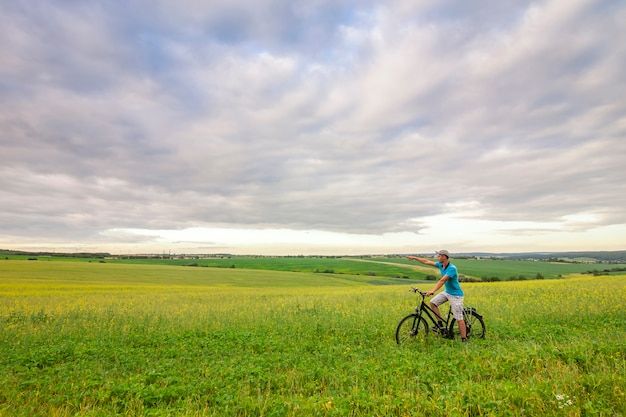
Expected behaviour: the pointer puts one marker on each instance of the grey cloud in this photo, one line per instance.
(336, 116)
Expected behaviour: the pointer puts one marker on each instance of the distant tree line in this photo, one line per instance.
(596, 272)
(7, 252)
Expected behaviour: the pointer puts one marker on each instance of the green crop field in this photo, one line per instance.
(387, 268)
(104, 339)
(505, 269)
(396, 266)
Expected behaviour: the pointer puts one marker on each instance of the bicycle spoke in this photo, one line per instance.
(412, 328)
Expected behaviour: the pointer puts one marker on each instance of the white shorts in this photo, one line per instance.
(456, 303)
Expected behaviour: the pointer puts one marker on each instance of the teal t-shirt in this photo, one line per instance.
(452, 284)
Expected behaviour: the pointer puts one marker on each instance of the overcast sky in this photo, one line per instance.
(312, 127)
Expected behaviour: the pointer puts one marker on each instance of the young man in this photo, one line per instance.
(452, 293)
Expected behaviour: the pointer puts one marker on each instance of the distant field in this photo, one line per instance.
(505, 269)
(287, 264)
(92, 273)
(375, 267)
(94, 339)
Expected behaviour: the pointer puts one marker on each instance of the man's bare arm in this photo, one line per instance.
(422, 260)
(439, 285)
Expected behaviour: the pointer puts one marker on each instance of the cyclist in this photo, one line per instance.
(452, 293)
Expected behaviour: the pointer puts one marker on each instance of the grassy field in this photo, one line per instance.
(383, 267)
(347, 266)
(102, 339)
(505, 269)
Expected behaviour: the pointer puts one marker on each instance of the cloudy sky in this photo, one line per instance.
(312, 127)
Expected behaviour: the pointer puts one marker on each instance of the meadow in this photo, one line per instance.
(397, 266)
(103, 339)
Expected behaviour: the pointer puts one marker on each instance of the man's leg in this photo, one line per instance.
(434, 305)
(462, 329)
(456, 304)
(436, 310)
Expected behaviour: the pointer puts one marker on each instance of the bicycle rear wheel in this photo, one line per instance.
(411, 329)
(474, 325)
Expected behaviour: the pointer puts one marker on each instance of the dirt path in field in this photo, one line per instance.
(424, 268)
(415, 267)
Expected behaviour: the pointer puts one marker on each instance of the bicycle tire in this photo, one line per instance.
(474, 325)
(411, 329)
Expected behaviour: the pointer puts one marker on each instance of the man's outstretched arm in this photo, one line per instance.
(422, 260)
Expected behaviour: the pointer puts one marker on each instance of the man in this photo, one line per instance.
(452, 293)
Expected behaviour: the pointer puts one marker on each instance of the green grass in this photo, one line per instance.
(39, 272)
(505, 269)
(299, 264)
(397, 267)
(287, 264)
(81, 339)
(528, 269)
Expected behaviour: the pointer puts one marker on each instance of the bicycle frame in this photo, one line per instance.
(424, 310)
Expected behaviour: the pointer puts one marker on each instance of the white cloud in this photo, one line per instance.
(329, 125)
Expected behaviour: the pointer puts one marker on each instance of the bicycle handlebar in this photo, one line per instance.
(415, 290)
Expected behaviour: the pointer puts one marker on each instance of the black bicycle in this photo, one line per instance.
(415, 326)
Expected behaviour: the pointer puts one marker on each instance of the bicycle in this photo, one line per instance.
(414, 327)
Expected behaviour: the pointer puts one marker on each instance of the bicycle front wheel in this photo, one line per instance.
(411, 329)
